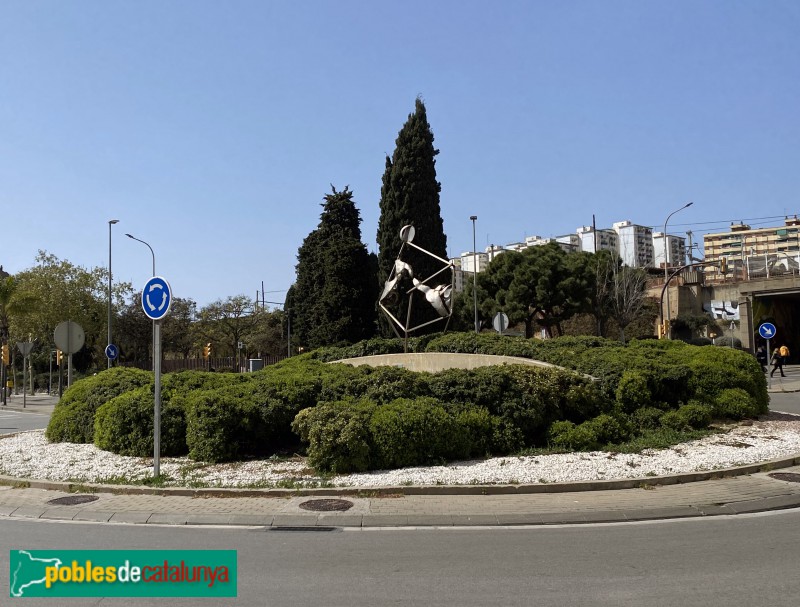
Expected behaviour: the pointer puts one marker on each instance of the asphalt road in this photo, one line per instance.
(719, 562)
(788, 402)
(20, 421)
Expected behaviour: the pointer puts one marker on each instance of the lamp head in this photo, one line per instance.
(112, 221)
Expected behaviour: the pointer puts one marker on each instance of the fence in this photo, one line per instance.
(221, 363)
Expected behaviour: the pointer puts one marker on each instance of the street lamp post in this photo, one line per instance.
(474, 218)
(110, 223)
(664, 316)
(149, 247)
(154, 273)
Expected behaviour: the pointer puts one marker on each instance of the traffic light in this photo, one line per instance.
(723, 265)
(58, 357)
(207, 350)
(5, 354)
(660, 330)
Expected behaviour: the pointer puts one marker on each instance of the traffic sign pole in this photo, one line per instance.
(156, 301)
(767, 330)
(157, 405)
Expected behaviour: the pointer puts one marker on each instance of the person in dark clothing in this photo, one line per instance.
(761, 357)
(777, 363)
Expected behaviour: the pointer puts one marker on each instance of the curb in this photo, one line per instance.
(394, 491)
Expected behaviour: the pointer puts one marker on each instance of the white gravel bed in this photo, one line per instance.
(29, 455)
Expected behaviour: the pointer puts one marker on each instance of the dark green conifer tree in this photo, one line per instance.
(333, 298)
(410, 195)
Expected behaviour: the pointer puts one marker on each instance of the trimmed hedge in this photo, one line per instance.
(73, 417)
(359, 418)
(124, 425)
(359, 435)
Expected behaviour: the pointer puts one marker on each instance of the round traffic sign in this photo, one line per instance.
(156, 297)
(500, 322)
(767, 330)
(112, 352)
(69, 337)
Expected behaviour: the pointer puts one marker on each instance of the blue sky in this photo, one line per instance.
(212, 130)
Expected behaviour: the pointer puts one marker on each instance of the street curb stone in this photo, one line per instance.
(402, 490)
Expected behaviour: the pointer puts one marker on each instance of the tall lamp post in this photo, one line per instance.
(474, 218)
(149, 247)
(154, 273)
(111, 222)
(668, 332)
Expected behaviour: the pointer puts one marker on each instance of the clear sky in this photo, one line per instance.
(212, 130)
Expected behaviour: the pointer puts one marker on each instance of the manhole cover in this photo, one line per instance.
(327, 505)
(792, 477)
(72, 500)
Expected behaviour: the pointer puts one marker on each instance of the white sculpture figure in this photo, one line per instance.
(439, 296)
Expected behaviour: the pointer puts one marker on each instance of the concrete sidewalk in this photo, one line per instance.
(790, 383)
(438, 506)
(38, 403)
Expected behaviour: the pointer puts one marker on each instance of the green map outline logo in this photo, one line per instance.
(122, 573)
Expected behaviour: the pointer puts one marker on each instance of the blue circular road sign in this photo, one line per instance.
(767, 330)
(112, 352)
(156, 298)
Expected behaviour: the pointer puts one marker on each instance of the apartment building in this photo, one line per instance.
(675, 250)
(755, 252)
(634, 244)
(601, 240)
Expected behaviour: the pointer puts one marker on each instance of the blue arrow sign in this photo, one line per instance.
(112, 352)
(767, 330)
(156, 298)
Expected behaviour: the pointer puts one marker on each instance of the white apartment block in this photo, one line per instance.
(675, 251)
(606, 240)
(469, 259)
(635, 244)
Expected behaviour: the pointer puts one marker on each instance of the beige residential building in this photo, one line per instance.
(748, 252)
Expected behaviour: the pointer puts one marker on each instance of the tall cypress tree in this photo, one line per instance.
(410, 195)
(334, 295)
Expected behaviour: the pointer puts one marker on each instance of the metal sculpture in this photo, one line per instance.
(402, 280)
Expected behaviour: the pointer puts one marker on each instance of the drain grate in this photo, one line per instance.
(327, 505)
(72, 500)
(792, 477)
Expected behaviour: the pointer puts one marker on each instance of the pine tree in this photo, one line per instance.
(334, 295)
(410, 195)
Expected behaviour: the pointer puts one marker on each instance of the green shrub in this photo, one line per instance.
(73, 417)
(715, 370)
(124, 425)
(687, 417)
(735, 403)
(590, 435)
(409, 432)
(214, 423)
(568, 436)
(609, 429)
(633, 391)
(337, 434)
(672, 420)
(695, 416)
(647, 418)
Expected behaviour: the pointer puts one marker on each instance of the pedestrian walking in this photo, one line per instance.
(777, 362)
(761, 357)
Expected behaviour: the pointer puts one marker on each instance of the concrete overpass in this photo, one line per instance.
(775, 299)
